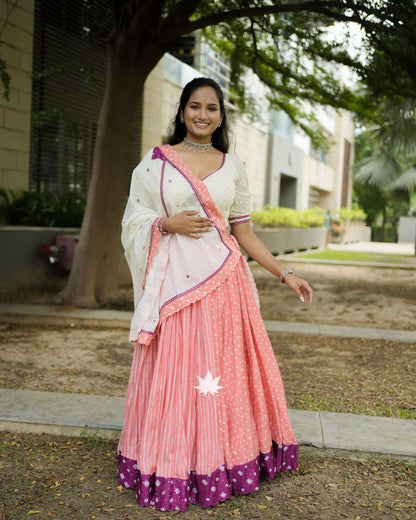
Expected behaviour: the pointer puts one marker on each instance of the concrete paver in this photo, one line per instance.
(291, 327)
(49, 407)
(365, 433)
(307, 427)
(109, 415)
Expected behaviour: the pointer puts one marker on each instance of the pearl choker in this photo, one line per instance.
(198, 147)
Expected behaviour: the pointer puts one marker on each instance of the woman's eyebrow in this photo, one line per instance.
(198, 103)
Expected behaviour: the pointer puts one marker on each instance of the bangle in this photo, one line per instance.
(283, 275)
(160, 227)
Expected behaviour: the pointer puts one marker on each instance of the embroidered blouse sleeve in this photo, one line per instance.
(240, 209)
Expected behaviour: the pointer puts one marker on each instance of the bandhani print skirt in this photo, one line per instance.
(205, 414)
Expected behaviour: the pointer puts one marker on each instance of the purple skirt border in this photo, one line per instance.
(174, 494)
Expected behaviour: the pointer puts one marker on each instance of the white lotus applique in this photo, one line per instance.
(208, 384)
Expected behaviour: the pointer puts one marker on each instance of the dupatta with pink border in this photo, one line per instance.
(171, 271)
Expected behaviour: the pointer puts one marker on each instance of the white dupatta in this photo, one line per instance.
(171, 271)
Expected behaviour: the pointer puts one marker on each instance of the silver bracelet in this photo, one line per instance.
(160, 228)
(283, 275)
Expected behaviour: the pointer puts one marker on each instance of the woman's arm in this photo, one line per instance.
(255, 248)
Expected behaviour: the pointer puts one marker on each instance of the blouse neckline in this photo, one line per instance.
(189, 169)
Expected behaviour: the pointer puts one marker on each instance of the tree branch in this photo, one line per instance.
(8, 16)
(176, 22)
(326, 8)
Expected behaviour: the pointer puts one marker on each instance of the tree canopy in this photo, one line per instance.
(286, 44)
(391, 165)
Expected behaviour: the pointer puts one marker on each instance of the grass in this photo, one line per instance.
(355, 256)
(355, 406)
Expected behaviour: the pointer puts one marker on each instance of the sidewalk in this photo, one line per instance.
(381, 248)
(76, 414)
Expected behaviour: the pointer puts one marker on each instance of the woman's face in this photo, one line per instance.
(202, 115)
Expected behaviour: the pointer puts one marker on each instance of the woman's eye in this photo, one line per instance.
(213, 109)
(194, 107)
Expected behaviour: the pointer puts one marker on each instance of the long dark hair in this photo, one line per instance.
(220, 138)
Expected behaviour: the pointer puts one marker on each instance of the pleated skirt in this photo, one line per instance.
(205, 414)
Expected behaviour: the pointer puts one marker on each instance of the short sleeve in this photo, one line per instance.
(240, 208)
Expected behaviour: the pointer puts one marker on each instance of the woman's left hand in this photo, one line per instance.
(301, 288)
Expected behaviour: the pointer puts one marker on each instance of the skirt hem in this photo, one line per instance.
(174, 494)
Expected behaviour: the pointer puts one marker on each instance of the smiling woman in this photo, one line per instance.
(205, 412)
(202, 115)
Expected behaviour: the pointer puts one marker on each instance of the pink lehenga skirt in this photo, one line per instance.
(205, 413)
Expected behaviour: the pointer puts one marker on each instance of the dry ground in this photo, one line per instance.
(344, 295)
(61, 478)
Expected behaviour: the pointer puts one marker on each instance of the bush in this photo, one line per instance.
(352, 214)
(41, 209)
(272, 217)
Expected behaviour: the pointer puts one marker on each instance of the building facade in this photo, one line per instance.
(300, 177)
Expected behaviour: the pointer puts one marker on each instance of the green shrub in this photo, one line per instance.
(272, 217)
(352, 214)
(41, 209)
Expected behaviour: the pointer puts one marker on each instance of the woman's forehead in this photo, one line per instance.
(204, 95)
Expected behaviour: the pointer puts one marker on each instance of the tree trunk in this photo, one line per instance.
(94, 275)
(383, 225)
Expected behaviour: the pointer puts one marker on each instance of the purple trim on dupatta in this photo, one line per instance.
(174, 494)
(148, 261)
(162, 198)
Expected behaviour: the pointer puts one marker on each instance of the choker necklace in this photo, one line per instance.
(198, 147)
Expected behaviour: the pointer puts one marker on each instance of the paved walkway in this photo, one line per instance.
(75, 414)
(383, 248)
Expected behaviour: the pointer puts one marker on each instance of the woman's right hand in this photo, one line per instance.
(187, 223)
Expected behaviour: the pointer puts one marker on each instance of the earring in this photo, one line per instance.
(219, 124)
(182, 120)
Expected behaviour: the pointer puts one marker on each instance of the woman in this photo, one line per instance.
(205, 411)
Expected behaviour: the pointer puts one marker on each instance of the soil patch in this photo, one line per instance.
(343, 295)
(65, 478)
(320, 373)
